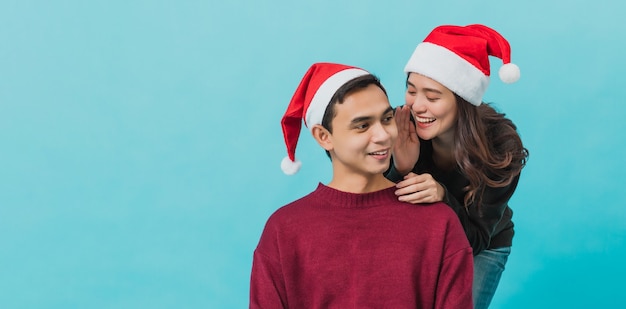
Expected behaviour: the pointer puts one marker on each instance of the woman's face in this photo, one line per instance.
(433, 106)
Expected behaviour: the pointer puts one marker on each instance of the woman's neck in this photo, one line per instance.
(443, 153)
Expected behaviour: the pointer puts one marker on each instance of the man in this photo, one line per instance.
(351, 243)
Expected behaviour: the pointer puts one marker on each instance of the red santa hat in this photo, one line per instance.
(458, 58)
(309, 103)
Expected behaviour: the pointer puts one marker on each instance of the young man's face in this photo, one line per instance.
(364, 131)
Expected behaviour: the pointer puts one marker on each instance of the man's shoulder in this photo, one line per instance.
(437, 209)
(442, 208)
(296, 207)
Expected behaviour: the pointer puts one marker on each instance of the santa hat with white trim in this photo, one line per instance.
(309, 103)
(458, 58)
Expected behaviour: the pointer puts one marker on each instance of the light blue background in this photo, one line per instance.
(140, 141)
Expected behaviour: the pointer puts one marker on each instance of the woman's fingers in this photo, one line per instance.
(420, 197)
(418, 189)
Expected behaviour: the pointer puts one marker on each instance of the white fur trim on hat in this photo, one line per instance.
(290, 167)
(327, 89)
(450, 70)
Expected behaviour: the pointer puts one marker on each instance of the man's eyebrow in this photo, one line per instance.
(361, 119)
(367, 118)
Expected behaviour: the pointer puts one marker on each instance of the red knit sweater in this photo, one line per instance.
(332, 249)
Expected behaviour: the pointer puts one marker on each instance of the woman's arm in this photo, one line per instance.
(480, 221)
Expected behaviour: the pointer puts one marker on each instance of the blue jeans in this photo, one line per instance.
(488, 268)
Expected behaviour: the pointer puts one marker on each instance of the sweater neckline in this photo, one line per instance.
(340, 199)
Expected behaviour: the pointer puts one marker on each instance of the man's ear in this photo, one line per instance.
(322, 136)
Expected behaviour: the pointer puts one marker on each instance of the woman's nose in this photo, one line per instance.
(418, 106)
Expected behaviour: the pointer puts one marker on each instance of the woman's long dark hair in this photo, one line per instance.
(488, 149)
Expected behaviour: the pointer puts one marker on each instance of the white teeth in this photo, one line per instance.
(379, 153)
(425, 120)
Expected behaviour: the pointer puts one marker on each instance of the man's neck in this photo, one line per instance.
(360, 184)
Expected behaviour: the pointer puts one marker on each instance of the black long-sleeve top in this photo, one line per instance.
(488, 226)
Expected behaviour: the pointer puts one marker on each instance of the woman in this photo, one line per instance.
(452, 147)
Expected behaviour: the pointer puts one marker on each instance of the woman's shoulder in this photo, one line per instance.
(493, 118)
(500, 130)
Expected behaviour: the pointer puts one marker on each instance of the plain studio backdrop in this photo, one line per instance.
(140, 141)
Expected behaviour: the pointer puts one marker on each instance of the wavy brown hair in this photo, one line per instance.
(488, 149)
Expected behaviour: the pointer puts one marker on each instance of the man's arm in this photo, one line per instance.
(454, 288)
(267, 289)
(267, 284)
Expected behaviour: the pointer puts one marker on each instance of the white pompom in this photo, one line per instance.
(290, 167)
(509, 73)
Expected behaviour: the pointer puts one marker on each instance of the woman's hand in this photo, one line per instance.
(406, 150)
(417, 189)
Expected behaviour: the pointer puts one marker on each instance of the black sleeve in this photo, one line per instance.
(480, 221)
(392, 174)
